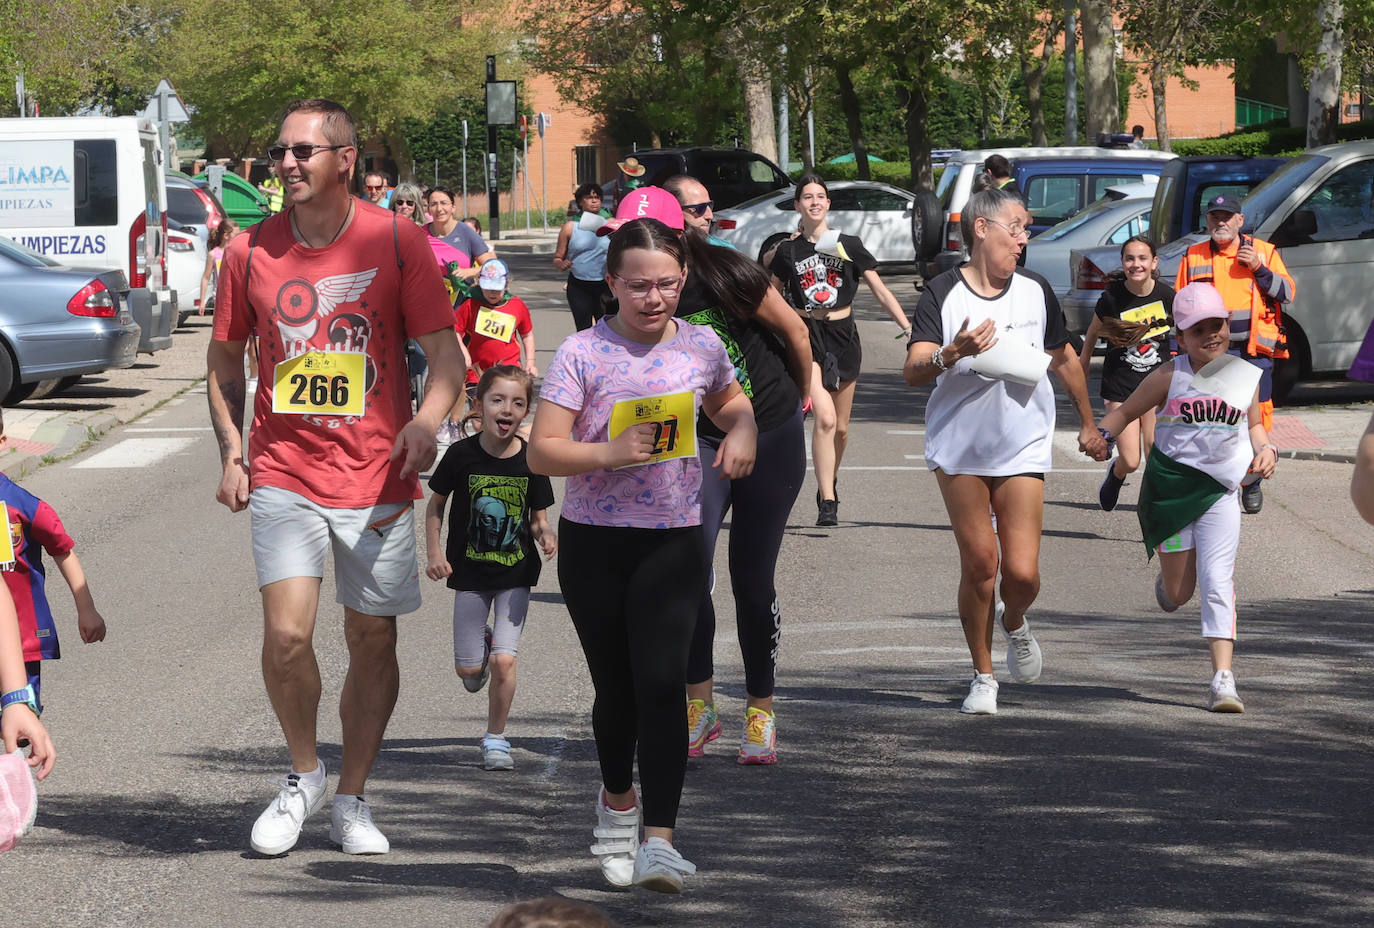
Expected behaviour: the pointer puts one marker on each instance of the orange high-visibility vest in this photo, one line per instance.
(1236, 283)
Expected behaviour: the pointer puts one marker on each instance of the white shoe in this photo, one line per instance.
(496, 754)
(1024, 659)
(617, 839)
(350, 827)
(982, 696)
(278, 828)
(660, 868)
(1223, 696)
(1161, 597)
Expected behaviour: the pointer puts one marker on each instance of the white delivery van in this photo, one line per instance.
(87, 191)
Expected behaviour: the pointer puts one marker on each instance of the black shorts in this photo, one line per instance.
(835, 347)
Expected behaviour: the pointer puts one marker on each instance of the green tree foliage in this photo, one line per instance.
(61, 46)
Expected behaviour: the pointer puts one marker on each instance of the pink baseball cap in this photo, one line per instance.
(646, 203)
(1197, 302)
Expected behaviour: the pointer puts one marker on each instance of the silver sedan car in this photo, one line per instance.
(1106, 222)
(58, 322)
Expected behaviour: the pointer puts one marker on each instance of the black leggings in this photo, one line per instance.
(587, 300)
(632, 594)
(761, 502)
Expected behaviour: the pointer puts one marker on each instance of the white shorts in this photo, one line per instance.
(376, 571)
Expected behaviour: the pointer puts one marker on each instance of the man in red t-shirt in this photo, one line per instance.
(331, 288)
(489, 326)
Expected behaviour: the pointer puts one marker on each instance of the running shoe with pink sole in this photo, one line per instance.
(703, 726)
(759, 743)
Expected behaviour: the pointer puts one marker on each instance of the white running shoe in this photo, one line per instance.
(982, 696)
(1161, 597)
(660, 868)
(617, 838)
(350, 827)
(1024, 659)
(1223, 694)
(278, 828)
(496, 754)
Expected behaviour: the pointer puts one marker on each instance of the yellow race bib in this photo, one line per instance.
(321, 383)
(494, 324)
(674, 417)
(6, 542)
(1150, 312)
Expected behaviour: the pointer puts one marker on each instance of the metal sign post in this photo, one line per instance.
(465, 166)
(19, 92)
(544, 121)
(165, 107)
(500, 99)
(525, 164)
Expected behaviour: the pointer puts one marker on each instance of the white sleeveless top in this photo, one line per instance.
(1199, 429)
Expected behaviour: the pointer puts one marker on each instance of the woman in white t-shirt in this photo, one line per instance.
(989, 435)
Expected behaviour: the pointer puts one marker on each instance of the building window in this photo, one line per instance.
(587, 168)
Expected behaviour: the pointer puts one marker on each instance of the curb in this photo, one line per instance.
(525, 247)
(1334, 457)
(66, 433)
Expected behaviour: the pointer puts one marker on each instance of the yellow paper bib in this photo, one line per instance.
(7, 541)
(494, 324)
(321, 383)
(1150, 312)
(674, 417)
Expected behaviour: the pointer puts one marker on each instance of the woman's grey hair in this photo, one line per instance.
(985, 204)
(413, 193)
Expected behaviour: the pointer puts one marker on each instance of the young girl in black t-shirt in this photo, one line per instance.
(497, 519)
(1133, 315)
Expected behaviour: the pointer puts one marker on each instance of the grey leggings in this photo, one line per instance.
(470, 609)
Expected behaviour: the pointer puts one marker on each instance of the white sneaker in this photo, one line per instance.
(278, 828)
(350, 827)
(660, 868)
(982, 696)
(496, 754)
(1223, 694)
(1024, 659)
(1162, 597)
(617, 838)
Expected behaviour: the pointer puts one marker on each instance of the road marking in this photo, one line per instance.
(914, 457)
(906, 431)
(894, 648)
(135, 452)
(174, 428)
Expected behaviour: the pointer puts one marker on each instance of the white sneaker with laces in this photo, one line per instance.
(350, 827)
(1024, 659)
(617, 837)
(660, 868)
(1223, 697)
(1162, 597)
(982, 696)
(278, 828)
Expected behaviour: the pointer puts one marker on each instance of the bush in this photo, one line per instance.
(1274, 138)
(896, 173)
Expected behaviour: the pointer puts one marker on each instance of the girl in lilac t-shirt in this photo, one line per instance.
(617, 417)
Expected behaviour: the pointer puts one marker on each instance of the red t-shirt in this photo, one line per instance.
(350, 296)
(486, 351)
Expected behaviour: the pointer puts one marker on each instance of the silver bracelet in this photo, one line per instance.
(938, 359)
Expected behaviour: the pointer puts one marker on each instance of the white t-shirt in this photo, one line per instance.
(1199, 429)
(977, 424)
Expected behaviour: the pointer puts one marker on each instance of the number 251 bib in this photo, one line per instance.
(674, 418)
(494, 324)
(321, 383)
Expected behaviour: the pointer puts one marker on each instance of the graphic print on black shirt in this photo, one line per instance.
(818, 281)
(496, 514)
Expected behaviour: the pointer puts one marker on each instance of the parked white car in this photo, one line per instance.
(879, 214)
(185, 266)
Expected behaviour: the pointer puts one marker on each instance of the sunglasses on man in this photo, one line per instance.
(699, 209)
(301, 152)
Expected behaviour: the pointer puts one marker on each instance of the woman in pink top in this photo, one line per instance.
(617, 418)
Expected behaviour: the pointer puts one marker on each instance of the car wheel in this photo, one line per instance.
(18, 393)
(1288, 371)
(43, 389)
(770, 243)
(7, 374)
(927, 220)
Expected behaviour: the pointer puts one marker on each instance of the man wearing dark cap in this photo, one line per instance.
(1254, 284)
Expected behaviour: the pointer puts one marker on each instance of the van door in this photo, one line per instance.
(1327, 243)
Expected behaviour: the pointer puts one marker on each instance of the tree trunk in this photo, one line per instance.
(1099, 63)
(1070, 73)
(1324, 95)
(914, 78)
(1033, 77)
(758, 107)
(849, 102)
(1159, 87)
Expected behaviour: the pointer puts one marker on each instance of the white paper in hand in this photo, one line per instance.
(829, 244)
(1229, 377)
(1012, 358)
(590, 222)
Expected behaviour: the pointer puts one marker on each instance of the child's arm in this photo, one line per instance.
(88, 620)
(19, 721)
(527, 345)
(1152, 392)
(438, 566)
(543, 533)
(1085, 356)
(553, 452)
(733, 414)
(1266, 455)
(887, 301)
(1362, 481)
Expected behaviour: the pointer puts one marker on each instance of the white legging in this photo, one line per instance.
(1215, 535)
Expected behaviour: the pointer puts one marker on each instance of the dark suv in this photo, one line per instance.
(1186, 183)
(732, 175)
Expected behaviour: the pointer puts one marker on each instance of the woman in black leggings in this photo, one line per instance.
(582, 253)
(771, 352)
(633, 569)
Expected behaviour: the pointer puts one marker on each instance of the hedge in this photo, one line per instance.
(1278, 140)
(896, 173)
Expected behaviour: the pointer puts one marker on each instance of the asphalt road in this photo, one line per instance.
(1102, 796)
